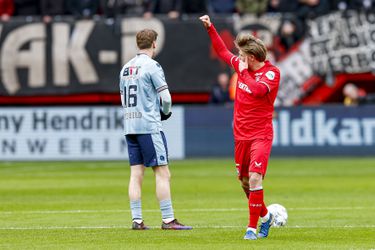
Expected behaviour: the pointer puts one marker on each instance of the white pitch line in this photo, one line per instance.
(181, 210)
(158, 227)
(328, 208)
(117, 211)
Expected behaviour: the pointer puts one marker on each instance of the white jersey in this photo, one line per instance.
(141, 79)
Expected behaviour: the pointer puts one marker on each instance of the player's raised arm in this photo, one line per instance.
(218, 43)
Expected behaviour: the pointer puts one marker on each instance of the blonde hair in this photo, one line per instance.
(145, 38)
(251, 45)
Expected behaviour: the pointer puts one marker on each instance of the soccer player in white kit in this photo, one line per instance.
(146, 101)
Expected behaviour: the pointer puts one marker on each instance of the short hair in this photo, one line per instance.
(145, 38)
(251, 46)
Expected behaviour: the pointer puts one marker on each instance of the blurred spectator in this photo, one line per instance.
(221, 6)
(290, 31)
(26, 7)
(232, 86)
(194, 6)
(352, 4)
(257, 7)
(282, 6)
(361, 4)
(6, 9)
(82, 8)
(169, 7)
(313, 8)
(220, 91)
(50, 8)
(111, 8)
(340, 4)
(355, 96)
(351, 94)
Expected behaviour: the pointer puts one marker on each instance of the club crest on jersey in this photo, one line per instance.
(270, 75)
(258, 76)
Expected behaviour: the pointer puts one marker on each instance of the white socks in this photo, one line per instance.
(138, 221)
(168, 220)
(266, 217)
(254, 230)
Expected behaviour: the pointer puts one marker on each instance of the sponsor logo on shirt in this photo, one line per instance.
(131, 72)
(270, 75)
(244, 87)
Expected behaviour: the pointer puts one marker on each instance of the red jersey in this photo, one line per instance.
(255, 94)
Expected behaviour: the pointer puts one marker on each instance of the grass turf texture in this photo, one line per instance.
(84, 205)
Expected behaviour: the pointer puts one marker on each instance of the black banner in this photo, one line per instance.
(86, 56)
(83, 57)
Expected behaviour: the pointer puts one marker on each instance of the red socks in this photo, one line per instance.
(256, 205)
(264, 210)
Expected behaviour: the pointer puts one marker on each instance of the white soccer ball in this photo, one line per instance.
(280, 213)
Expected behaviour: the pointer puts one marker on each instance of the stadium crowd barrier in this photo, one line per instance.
(298, 131)
(95, 133)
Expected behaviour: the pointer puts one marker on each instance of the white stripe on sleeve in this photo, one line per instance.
(166, 101)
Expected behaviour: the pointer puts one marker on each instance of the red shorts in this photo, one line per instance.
(252, 156)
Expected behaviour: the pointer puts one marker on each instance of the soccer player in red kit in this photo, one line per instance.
(256, 90)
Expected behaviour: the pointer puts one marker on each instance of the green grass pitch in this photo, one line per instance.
(84, 205)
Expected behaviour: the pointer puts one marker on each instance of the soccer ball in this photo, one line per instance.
(280, 213)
